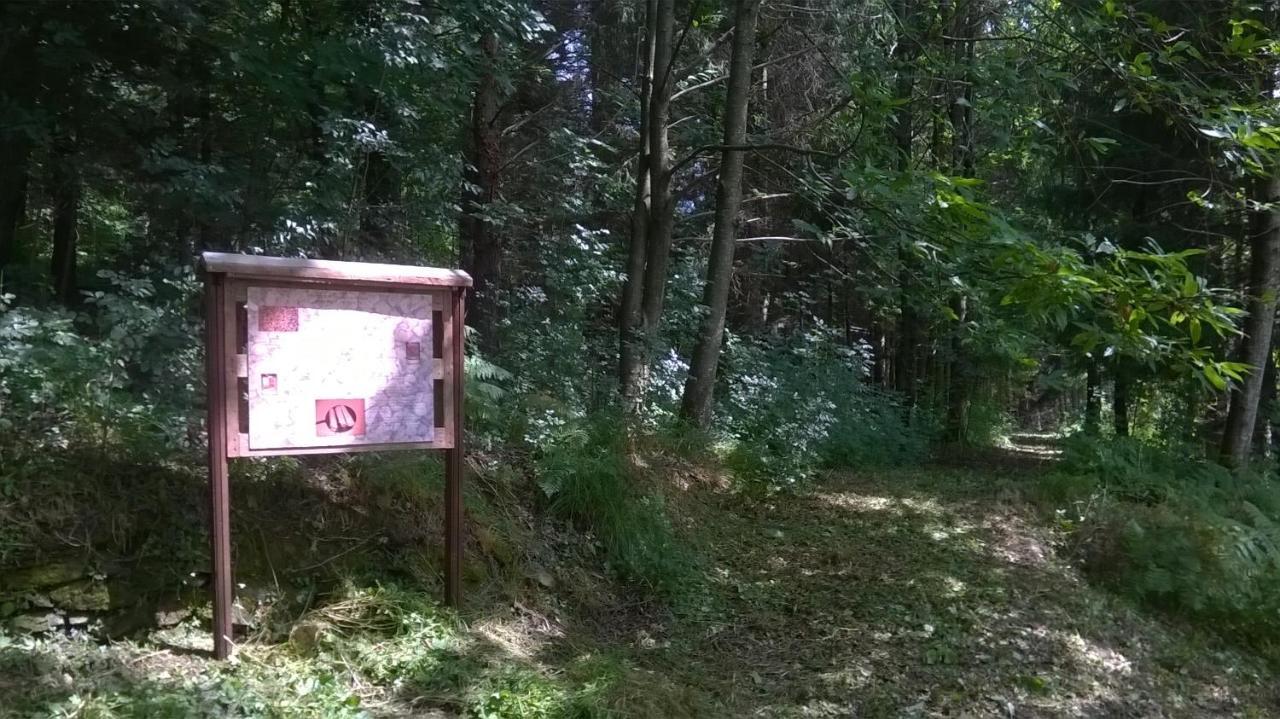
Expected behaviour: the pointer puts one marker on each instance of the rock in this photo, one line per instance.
(83, 596)
(305, 637)
(40, 576)
(77, 620)
(171, 617)
(241, 615)
(128, 621)
(38, 600)
(35, 622)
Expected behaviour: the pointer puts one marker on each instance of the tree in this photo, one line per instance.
(640, 324)
(479, 240)
(1255, 349)
(699, 390)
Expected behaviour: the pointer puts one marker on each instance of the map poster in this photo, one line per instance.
(332, 368)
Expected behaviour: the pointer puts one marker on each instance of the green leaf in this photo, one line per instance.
(1215, 379)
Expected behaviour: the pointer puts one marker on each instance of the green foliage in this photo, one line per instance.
(584, 471)
(988, 421)
(790, 408)
(123, 369)
(1176, 532)
(1148, 306)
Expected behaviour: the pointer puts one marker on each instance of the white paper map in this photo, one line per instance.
(338, 367)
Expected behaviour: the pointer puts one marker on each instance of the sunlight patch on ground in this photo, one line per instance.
(521, 636)
(1012, 541)
(871, 503)
(1087, 652)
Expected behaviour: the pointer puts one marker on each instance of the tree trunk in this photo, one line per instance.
(479, 245)
(908, 339)
(66, 207)
(963, 24)
(381, 187)
(1256, 344)
(661, 216)
(958, 374)
(629, 338)
(13, 194)
(1120, 402)
(699, 390)
(1266, 403)
(1093, 399)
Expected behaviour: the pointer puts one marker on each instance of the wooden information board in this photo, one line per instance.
(316, 357)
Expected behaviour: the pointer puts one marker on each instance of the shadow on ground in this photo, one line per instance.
(923, 593)
(928, 592)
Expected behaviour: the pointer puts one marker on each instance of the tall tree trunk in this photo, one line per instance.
(479, 245)
(1093, 399)
(964, 25)
(13, 193)
(1266, 403)
(1264, 263)
(381, 188)
(1120, 401)
(66, 207)
(958, 375)
(661, 217)
(20, 85)
(908, 332)
(629, 338)
(700, 387)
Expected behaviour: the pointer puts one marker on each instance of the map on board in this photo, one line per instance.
(338, 367)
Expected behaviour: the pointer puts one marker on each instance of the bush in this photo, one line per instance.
(125, 368)
(1176, 532)
(584, 472)
(792, 408)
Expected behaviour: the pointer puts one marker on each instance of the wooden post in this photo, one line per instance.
(219, 500)
(453, 464)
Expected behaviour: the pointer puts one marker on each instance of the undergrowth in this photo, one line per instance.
(1175, 532)
(585, 473)
(378, 649)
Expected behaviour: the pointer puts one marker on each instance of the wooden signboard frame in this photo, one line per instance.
(228, 278)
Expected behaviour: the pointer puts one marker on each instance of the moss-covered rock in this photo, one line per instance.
(41, 576)
(35, 622)
(85, 595)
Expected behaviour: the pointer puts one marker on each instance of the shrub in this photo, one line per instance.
(791, 408)
(584, 472)
(1176, 532)
(125, 368)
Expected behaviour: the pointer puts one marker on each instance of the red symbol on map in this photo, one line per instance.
(277, 319)
(339, 416)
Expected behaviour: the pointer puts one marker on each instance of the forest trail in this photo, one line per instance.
(931, 592)
(922, 592)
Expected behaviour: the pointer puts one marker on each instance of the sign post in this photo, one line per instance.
(321, 357)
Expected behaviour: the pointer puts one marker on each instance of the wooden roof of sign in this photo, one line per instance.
(299, 269)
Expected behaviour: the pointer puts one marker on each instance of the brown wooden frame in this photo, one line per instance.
(227, 279)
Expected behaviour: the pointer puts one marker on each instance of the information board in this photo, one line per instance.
(338, 367)
(321, 357)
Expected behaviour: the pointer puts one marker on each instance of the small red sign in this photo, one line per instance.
(413, 351)
(277, 319)
(339, 416)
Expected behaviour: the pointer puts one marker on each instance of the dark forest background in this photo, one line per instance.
(785, 237)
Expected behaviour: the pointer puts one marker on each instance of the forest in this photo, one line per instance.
(824, 358)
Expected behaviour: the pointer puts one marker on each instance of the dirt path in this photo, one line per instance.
(930, 593)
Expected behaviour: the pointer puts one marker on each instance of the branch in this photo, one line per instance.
(722, 78)
(746, 148)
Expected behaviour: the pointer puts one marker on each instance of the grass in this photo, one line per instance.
(927, 592)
